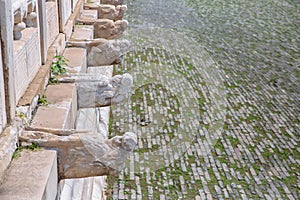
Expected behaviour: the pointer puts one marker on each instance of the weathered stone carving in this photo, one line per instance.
(108, 29)
(85, 154)
(17, 30)
(113, 2)
(31, 20)
(21, 8)
(107, 52)
(103, 52)
(106, 11)
(100, 91)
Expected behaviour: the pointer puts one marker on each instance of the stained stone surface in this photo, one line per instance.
(215, 103)
(96, 119)
(85, 154)
(101, 52)
(101, 91)
(106, 11)
(106, 52)
(108, 29)
(39, 180)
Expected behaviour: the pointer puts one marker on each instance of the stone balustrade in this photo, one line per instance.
(33, 31)
(25, 15)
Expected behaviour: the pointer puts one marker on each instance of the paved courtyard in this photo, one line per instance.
(215, 103)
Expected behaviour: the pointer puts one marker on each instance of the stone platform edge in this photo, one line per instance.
(28, 102)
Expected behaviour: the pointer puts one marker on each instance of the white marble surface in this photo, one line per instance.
(91, 188)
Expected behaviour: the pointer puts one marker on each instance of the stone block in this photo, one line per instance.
(83, 33)
(32, 176)
(8, 141)
(58, 118)
(62, 99)
(61, 95)
(77, 59)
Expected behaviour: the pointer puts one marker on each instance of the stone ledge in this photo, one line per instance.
(89, 14)
(83, 33)
(77, 59)
(8, 141)
(32, 176)
(62, 105)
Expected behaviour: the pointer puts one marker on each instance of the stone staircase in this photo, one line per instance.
(33, 175)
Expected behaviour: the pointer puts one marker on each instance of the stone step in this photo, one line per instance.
(32, 176)
(77, 59)
(83, 32)
(62, 104)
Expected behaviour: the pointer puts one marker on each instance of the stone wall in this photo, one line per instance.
(74, 3)
(51, 21)
(2, 96)
(65, 10)
(27, 59)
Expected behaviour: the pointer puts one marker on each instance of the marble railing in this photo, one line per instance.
(25, 15)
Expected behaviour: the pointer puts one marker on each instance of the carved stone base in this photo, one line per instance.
(100, 91)
(85, 154)
(106, 11)
(108, 29)
(103, 52)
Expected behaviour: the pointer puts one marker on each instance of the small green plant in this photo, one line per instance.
(23, 117)
(57, 66)
(32, 147)
(52, 80)
(43, 100)
(16, 154)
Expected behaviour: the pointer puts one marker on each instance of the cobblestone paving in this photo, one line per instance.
(215, 103)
